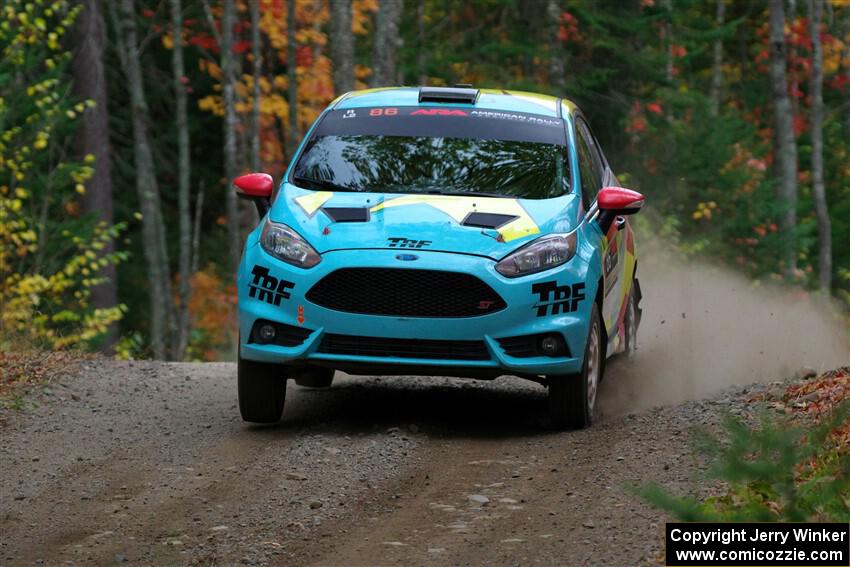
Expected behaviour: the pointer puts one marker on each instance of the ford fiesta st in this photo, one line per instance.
(439, 231)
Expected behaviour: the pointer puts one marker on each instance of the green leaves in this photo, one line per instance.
(773, 472)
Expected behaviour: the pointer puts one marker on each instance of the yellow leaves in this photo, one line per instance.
(704, 210)
(168, 40)
(211, 68)
(212, 103)
(41, 140)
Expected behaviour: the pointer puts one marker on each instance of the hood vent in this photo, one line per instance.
(347, 214)
(487, 220)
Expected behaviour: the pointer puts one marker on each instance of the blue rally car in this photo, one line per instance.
(439, 231)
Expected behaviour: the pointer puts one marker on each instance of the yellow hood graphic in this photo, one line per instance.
(458, 207)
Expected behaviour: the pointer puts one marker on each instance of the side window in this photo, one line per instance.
(591, 180)
(597, 162)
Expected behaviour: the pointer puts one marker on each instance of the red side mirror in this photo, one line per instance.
(619, 200)
(255, 185)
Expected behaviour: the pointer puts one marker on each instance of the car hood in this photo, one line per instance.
(484, 226)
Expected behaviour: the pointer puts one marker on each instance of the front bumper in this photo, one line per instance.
(286, 304)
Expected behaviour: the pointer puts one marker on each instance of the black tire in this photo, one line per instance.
(572, 401)
(262, 391)
(314, 377)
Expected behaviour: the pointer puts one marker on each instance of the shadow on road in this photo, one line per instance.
(441, 407)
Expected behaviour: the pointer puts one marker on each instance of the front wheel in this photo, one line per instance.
(262, 390)
(572, 398)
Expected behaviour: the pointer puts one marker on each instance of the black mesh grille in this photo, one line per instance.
(403, 348)
(520, 347)
(405, 293)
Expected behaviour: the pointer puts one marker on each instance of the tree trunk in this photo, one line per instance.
(556, 57)
(153, 238)
(785, 152)
(93, 139)
(717, 62)
(421, 38)
(292, 76)
(847, 69)
(387, 41)
(818, 188)
(230, 120)
(257, 53)
(342, 46)
(184, 176)
(668, 37)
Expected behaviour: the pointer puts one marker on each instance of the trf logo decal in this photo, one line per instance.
(407, 243)
(556, 299)
(268, 288)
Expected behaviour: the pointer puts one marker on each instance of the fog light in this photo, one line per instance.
(266, 333)
(552, 345)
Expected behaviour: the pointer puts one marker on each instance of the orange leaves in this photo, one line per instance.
(655, 108)
(819, 396)
(568, 28)
(361, 11)
(212, 311)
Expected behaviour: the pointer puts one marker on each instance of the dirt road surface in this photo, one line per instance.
(149, 464)
(146, 463)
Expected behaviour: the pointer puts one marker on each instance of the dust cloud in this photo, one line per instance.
(705, 328)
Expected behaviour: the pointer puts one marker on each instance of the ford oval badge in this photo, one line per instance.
(407, 257)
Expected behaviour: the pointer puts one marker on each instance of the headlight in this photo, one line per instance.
(285, 244)
(544, 253)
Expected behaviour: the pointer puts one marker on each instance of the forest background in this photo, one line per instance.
(122, 123)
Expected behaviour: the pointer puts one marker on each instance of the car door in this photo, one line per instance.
(594, 174)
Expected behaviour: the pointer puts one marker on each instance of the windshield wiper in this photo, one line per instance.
(468, 193)
(320, 183)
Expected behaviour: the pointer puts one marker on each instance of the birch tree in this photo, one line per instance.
(153, 230)
(292, 76)
(231, 167)
(785, 151)
(717, 59)
(184, 174)
(342, 46)
(257, 67)
(818, 188)
(556, 59)
(386, 43)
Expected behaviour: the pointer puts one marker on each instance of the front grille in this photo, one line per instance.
(403, 348)
(520, 347)
(405, 293)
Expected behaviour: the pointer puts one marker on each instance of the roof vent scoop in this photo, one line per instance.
(448, 94)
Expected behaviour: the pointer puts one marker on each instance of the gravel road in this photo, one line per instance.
(149, 464)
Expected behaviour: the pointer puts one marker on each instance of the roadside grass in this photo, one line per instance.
(23, 372)
(789, 463)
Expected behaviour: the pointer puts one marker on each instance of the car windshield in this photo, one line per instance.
(443, 151)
